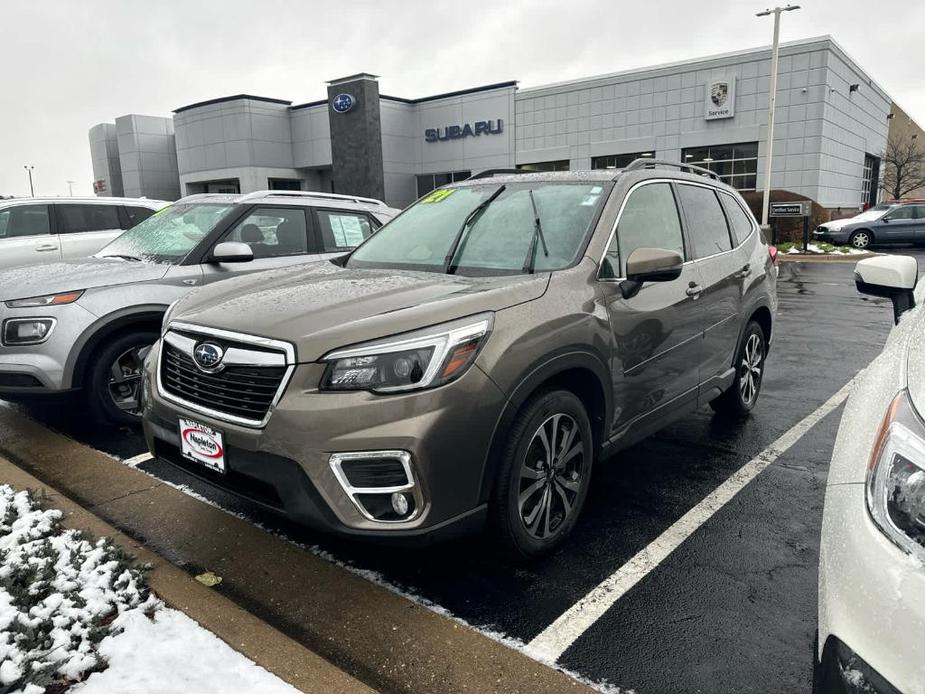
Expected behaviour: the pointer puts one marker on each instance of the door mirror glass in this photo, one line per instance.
(232, 252)
(650, 265)
(890, 276)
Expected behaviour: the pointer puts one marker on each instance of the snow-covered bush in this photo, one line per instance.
(60, 591)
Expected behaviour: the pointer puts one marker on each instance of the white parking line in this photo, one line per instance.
(551, 643)
(137, 460)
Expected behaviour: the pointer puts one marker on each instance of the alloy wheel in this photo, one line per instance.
(551, 476)
(860, 240)
(750, 373)
(125, 376)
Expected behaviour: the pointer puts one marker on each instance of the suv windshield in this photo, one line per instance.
(169, 235)
(501, 238)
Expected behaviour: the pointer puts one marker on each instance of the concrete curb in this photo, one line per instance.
(832, 258)
(241, 630)
(381, 638)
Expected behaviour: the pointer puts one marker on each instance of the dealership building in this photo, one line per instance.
(832, 124)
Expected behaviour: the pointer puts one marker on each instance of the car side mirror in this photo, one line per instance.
(890, 276)
(232, 252)
(650, 265)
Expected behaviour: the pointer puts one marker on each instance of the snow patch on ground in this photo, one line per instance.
(797, 249)
(75, 612)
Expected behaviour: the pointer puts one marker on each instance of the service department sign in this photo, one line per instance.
(720, 99)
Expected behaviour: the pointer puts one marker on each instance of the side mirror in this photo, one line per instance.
(650, 265)
(232, 252)
(890, 276)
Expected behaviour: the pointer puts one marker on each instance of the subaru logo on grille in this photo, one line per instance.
(342, 103)
(208, 355)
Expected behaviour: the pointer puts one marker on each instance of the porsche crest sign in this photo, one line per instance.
(720, 98)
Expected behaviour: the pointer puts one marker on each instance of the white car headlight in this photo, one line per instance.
(896, 477)
(421, 359)
(47, 300)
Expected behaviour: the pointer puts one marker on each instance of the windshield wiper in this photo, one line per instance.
(124, 257)
(448, 267)
(530, 260)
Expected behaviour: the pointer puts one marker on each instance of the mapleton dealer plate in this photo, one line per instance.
(202, 444)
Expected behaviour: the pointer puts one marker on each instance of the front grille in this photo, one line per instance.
(241, 391)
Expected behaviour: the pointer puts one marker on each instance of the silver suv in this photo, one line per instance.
(42, 230)
(87, 324)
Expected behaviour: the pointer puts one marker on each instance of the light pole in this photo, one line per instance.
(29, 171)
(772, 97)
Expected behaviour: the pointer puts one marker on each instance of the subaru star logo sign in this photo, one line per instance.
(208, 355)
(343, 103)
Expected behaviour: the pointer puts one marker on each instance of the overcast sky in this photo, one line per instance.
(69, 64)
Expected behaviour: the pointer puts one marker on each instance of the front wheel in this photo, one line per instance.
(544, 476)
(742, 395)
(113, 387)
(861, 239)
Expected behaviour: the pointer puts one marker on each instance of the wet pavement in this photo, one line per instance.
(734, 607)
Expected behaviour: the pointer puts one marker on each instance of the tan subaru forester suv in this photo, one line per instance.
(468, 364)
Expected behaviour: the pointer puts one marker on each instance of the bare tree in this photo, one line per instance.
(903, 166)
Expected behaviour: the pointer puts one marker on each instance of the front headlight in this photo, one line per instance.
(47, 300)
(421, 359)
(896, 477)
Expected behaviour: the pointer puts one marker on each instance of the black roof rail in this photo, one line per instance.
(488, 173)
(648, 163)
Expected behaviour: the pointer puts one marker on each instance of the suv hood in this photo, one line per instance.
(321, 306)
(72, 275)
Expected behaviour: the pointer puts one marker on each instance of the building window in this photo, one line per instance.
(736, 165)
(618, 161)
(871, 179)
(561, 165)
(228, 185)
(284, 184)
(428, 182)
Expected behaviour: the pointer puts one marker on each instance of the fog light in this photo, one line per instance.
(399, 503)
(27, 331)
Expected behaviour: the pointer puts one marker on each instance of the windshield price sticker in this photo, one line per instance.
(439, 195)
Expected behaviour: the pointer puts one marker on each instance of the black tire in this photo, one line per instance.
(559, 485)
(861, 239)
(741, 396)
(102, 388)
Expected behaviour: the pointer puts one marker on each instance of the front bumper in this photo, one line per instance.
(285, 466)
(829, 236)
(42, 369)
(871, 596)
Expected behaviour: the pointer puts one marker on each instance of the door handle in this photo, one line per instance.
(744, 272)
(46, 247)
(694, 290)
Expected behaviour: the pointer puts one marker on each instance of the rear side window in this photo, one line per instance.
(649, 220)
(705, 220)
(739, 219)
(74, 219)
(24, 220)
(136, 215)
(902, 213)
(341, 231)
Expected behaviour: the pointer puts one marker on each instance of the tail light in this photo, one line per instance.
(772, 251)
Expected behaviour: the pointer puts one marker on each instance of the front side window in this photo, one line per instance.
(272, 232)
(739, 219)
(341, 231)
(169, 235)
(136, 215)
(649, 220)
(488, 229)
(705, 219)
(75, 219)
(24, 220)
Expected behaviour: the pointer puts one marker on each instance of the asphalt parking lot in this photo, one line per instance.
(733, 607)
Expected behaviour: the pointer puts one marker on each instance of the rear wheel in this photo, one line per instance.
(544, 475)
(113, 386)
(742, 395)
(861, 239)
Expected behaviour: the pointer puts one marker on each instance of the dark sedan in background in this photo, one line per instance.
(893, 222)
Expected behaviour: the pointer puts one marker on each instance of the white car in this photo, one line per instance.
(41, 230)
(872, 554)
